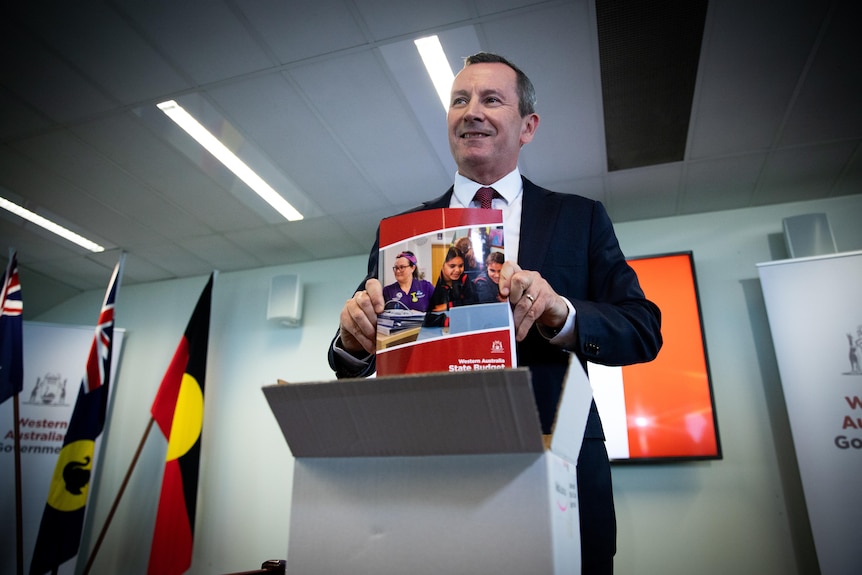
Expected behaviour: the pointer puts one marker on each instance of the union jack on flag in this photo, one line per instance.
(11, 330)
(98, 361)
(11, 289)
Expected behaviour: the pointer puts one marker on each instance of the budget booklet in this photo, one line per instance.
(443, 311)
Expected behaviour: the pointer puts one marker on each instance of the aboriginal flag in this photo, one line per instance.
(11, 333)
(178, 411)
(63, 519)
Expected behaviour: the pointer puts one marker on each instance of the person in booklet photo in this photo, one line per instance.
(487, 284)
(454, 287)
(407, 291)
(573, 295)
(471, 266)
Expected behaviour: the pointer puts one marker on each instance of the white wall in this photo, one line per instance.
(743, 514)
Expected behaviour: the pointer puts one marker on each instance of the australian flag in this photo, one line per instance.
(11, 332)
(63, 519)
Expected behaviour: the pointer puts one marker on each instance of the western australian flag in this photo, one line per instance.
(11, 333)
(63, 519)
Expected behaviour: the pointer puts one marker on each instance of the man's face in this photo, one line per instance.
(486, 131)
(494, 270)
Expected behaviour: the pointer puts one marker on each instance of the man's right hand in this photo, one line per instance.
(359, 318)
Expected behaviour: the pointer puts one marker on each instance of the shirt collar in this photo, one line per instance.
(509, 186)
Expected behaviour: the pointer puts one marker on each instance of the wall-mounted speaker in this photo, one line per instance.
(808, 235)
(285, 300)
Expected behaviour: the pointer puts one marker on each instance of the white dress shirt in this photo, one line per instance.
(511, 188)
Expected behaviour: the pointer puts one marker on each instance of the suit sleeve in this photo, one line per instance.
(339, 365)
(615, 323)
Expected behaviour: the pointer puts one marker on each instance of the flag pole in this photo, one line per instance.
(19, 514)
(116, 503)
(16, 446)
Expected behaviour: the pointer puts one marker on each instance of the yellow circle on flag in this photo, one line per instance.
(71, 480)
(188, 418)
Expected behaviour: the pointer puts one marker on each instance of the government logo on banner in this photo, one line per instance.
(855, 355)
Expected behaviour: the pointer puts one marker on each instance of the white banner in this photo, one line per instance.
(55, 357)
(815, 315)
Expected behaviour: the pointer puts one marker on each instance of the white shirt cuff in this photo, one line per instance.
(349, 359)
(565, 336)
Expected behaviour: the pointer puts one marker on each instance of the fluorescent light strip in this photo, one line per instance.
(50, 226)
(203, 136)
(437, 65)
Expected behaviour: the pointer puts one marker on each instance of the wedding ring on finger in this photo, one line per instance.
(531, 298)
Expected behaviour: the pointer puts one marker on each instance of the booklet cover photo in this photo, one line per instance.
(439, 269)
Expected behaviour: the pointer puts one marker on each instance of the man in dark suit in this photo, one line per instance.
(567, 280)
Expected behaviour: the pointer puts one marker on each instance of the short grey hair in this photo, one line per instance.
(526, 91)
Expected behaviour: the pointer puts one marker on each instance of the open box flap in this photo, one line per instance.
(572, 413)
(424, 414)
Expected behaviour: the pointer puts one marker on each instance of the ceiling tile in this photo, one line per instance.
(81, 273)
(32, 242)
(590, 187)
(850, 180)
(361, 228)
(486, 7)
(101, 44)
(833, 84)
(384, 138)
(720, 184)
(643, 194)
(83, 168)
(38, 76)
(203, 38)
(322, 237)
(299, 142)
(750, 66)
(16, 117)
(175, 259)
(387, 19)
(135, 268)
(806, 173)
(274, 247)
(28, 181)
(221, 253)
(302, 29)
(188, 176)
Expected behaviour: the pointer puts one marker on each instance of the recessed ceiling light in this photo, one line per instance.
(212, 144)
(437, 65)
(50, 226)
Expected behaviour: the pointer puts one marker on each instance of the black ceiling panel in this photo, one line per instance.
(649, 52)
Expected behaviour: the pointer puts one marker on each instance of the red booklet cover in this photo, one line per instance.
(442, 313)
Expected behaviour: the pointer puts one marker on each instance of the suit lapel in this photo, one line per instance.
(539, 209)
(538, 214)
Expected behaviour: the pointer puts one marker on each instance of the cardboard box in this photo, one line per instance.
(431, 474)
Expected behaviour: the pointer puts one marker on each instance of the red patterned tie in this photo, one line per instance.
(484, 196)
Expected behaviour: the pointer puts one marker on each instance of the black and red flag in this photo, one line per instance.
(63, 519)
(178, 411)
